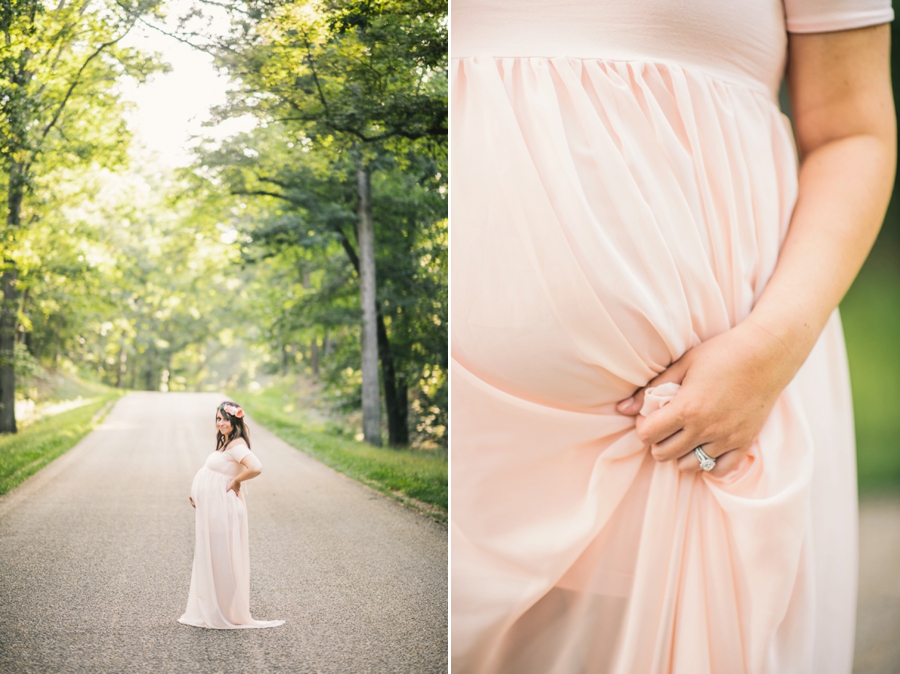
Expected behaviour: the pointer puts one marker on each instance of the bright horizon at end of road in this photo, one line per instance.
(170, 109)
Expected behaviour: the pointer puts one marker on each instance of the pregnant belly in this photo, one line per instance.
(597, 233)
(210, 486)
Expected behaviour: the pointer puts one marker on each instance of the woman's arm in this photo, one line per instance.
(252, 468)
(845, 124)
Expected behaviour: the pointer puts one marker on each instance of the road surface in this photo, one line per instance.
(878, 616)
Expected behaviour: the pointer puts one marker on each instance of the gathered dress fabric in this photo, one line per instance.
(622, 182)
(219, 597)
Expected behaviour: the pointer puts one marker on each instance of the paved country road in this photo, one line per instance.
(878, 615)
(96, 551)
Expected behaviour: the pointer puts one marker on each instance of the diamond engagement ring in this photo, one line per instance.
(707, 463)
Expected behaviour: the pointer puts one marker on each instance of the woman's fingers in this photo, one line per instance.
(729, 461)
(658, 428)
(674, 446)
(725, 463)
(631, 406)
(674, 373)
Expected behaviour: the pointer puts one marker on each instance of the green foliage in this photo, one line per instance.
(59, 113)
(58, 69)
(871, 317)
(24, 454)
(128, 282)
(245, 266)
(401, 474)
(336, 86)
(371, 71)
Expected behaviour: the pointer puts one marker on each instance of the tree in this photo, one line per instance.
(58, 66)
(365, 82)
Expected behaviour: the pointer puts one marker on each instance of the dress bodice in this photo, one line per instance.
(227, 462)
(739, 41)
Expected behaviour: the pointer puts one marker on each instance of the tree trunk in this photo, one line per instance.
(8, 348)
(148, 373)
(371, 393)
(10, 306)
(395, 398)
(314, 355)
(22, 336)
(120, 372)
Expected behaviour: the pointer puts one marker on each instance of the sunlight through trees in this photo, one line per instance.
(314, 245)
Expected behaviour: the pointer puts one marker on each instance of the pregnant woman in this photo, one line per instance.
(219, 597)
(653, 456)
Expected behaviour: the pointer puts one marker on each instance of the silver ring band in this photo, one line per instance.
(707, 463)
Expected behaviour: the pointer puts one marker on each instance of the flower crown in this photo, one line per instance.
(234, 410)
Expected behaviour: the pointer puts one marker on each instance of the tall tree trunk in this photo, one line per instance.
(123, 357)
(314, 355)
(22, 336)
(365, 234)
(148, 373)
(10, 306)
(8, 348)
(395, 399)
(402, 410)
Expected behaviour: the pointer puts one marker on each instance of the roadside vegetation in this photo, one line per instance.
(67, 408)
(415, 477)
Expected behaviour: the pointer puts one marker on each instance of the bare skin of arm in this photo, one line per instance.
(247, 474)
(844, 120)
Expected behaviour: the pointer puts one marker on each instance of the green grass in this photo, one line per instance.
(417, 478)
(32, 448)
(871, 317)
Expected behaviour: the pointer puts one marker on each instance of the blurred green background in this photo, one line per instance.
(871, 315)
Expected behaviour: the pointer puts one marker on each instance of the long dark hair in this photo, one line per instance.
(239, 428)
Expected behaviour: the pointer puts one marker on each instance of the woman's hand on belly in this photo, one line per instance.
(729, 385)
(845, 123)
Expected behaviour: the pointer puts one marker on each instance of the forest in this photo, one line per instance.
(313, 245)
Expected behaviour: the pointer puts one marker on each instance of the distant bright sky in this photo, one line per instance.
(171, 108)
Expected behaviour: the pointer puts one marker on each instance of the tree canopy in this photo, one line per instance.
(248, 263)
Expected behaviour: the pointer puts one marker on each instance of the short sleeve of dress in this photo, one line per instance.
(238, 452)
(823, 16)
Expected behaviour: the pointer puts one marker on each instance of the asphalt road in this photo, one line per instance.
(96, 551)
(878, 615)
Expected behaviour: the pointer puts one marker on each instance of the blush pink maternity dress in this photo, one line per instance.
(219, 597)
(622, 181)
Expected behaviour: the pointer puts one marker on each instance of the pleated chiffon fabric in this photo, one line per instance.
(219, 597)
(607, 216)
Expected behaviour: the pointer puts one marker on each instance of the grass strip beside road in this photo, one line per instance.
(32, 448)
(416, 478)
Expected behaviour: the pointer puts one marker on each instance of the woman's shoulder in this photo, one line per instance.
(237, 444)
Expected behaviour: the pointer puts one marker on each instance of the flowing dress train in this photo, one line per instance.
(219, 597)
